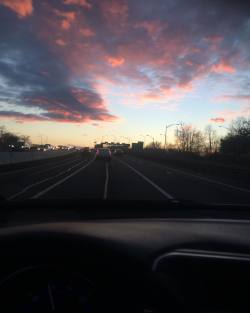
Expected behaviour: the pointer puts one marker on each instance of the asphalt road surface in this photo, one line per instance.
(125, 177)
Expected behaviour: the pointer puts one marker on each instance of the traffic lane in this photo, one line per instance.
(12, 184)
(106, 180)
(38, 187)
(125, 184)
(185, 186)
(87, 184)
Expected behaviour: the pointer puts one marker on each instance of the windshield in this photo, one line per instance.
(125, 100)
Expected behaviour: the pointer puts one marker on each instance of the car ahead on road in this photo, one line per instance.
(118, 152)
(103, 154)
(85, 152)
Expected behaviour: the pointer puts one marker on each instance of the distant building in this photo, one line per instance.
(113, 146)
(137, 146)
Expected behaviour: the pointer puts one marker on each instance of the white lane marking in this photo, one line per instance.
(41, 193)
(53, 167)
(42, 181)
(162, 191)
(210, 180)
(51, 298)
(105, 194)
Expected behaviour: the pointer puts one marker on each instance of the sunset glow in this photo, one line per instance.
(121, 66)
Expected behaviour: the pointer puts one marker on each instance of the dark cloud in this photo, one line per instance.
(53, 53)
(33, 76)
(22, 116)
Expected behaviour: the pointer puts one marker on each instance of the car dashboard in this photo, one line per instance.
(126, 265)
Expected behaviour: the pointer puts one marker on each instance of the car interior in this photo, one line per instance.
(175, 257)
(124, 156)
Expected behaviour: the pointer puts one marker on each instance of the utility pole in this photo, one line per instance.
(41, 138)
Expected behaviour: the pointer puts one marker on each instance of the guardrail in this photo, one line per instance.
(11, 157)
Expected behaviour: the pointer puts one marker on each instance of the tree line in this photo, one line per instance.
(10, 140)
(189, 139)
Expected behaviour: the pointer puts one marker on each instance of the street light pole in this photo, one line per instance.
(152, 139)
(127, 138)
(164, 137)
(166, 129)
(41, 138)
(144, 137)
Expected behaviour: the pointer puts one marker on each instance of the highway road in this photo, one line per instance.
(125, 177)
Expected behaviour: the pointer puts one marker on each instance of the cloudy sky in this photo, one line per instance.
(77, 70)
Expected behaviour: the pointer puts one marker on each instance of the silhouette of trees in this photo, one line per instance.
(154, 145)
(10, 140)
(237, 141)
(189, 139)
(212, 142)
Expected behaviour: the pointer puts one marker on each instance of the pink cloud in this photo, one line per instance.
(155, 71)
(234, 97)
(232, 114)
(217, 120)
(60, 42)
(83, 3)
(87, 32)
(115, 61)
(68, 18)
(151, 96)
(65, 24)
(214, 39)
(223, 67)
(22, 8)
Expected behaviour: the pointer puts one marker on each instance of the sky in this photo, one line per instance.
(80, 71)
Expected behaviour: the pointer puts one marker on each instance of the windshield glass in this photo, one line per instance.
(125, 100)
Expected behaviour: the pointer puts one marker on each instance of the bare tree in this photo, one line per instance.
(8, 140)
(237, 141)
(211, 140)
(189, 139)
(154, 145)
(26, 140)
(240, 126)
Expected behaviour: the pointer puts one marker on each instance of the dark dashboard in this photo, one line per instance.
(138, 264)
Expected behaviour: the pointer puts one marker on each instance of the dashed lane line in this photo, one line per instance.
(12, 197)
(41, 193)
(105, 194)
(162, 191)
